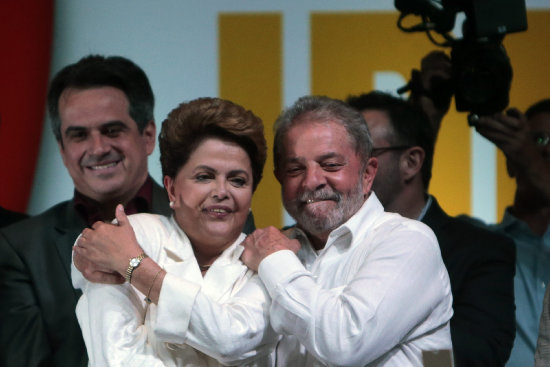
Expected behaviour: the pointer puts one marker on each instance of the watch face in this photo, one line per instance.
(134, 262)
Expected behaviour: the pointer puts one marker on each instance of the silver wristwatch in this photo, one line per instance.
(132, 264)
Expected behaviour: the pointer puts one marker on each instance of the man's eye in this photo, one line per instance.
(76, 135)
(112, 131)
(332, 166)
(293, 171)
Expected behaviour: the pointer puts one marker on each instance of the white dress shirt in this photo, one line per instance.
(377, 294)
(219, 319)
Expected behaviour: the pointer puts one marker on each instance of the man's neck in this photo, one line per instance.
(408, 203)
(537, 219)
(105, 208)
(317, 241)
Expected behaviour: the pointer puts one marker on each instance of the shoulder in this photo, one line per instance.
(150, 221)
(8, 217)
(477, 236)
(38, 226)
(151, 228)
(394, 225)
(404, 235)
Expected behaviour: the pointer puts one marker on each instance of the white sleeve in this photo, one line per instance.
(394, 290)
(233, 332)
(112, 321)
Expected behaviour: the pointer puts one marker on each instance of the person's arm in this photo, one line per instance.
(111, 318)
(23, 339)
(542, 354)
(233, 331)
(359, 322)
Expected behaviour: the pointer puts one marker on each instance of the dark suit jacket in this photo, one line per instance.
(9, 217)
(38, 325)
(481, 267)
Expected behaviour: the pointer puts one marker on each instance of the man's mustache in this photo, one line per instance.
(319, 195)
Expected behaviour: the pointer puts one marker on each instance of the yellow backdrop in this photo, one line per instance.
(346, 51)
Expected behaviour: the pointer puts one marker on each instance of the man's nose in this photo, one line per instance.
(99, 144)
(314, 178)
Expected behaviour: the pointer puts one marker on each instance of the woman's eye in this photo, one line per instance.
(202, 177)
(238, 181)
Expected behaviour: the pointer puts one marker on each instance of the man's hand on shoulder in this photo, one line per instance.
(262, 243)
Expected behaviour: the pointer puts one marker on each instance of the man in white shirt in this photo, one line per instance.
(367, 288)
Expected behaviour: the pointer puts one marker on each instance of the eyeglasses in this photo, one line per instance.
(377, 151)
(541, 138)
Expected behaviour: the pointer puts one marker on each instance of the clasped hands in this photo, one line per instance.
(102, 252)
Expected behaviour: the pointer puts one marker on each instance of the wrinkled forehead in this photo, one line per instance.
(317, 138)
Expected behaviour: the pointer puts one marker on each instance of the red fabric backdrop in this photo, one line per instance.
(26, 36)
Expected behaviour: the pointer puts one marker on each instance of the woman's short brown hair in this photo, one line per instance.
(188, 125)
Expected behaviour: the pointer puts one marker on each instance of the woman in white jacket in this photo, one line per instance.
(186, 299)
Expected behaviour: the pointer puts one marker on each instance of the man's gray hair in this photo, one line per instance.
(323, 109)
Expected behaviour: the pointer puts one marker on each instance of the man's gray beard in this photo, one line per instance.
(346, 206)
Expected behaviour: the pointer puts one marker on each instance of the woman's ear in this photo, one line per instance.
(169, 186)
(411, 162)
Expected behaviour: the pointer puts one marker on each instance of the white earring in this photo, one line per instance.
(171, 204)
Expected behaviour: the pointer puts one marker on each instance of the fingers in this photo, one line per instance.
(120, 215)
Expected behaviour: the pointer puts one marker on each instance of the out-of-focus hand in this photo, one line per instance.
(109, 246)
(262, 243)
(94, 273)
(510, 133)
(432, 86)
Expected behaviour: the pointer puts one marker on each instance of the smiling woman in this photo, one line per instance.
(212, 156)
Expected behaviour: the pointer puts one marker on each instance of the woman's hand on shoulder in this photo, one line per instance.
(94, 273)
(108, 246)
(262, 243)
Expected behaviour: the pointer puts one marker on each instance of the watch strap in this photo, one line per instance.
(133, 263)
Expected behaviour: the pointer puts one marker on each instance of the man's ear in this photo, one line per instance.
(149, 136)
(169, 186)
(369, 173)
(411, 162)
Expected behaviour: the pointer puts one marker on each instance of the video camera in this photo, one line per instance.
(481, 69)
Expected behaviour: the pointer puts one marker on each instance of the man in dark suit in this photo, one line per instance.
(480, 263)
(101, 111)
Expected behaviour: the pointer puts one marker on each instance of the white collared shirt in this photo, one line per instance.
(221, 318)
(377, 294)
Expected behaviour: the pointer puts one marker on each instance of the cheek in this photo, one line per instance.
(290, 189)
(191, 196)
(243, 199)
(71, 155)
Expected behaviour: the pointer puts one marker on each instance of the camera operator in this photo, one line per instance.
(524, 140)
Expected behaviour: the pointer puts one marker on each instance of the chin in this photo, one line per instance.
(223, 232)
